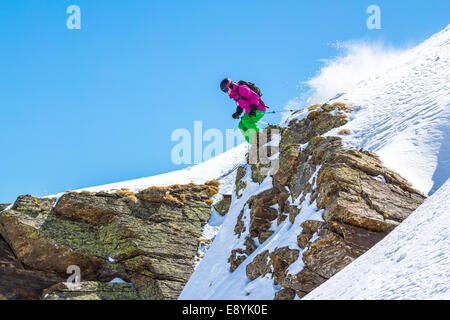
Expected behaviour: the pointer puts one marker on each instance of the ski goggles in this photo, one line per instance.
(227, 87)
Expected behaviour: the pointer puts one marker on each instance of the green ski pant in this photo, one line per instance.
(248, 126)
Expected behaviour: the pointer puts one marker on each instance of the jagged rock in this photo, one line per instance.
(239, 228)
(18, 283)
(264, 199)
(239, 255)
(303, 240)
(91, 290)
(96, 210)
(362, 201)
(259, 266)
(281, 259)
(260, 172)
(293, 212)
(240, 184)
(285, 294)
(328, 255)
(149, 238)
(7, 258)
(306, 281)
(236, 258)
(357, 238)
(223, 206)
(3, 206)
(309, 228)
(260, 222)
(315, 124)
(262, 213)
(359, 210)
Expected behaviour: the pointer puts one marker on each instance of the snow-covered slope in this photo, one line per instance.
(412, 262)
(401, 113)
(220, 168)
(404, 111)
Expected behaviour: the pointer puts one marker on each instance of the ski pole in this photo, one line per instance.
(272, 112)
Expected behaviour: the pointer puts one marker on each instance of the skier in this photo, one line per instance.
(248, 99)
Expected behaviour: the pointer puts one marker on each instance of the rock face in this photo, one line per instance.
(149, 239)
(361, 202)
(224, 205)
(16, 282)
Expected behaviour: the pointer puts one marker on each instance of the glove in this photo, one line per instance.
(237, 113)
(252, 112)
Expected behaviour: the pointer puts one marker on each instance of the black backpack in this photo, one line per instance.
(252, 87)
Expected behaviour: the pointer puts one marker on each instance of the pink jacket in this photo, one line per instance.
(249, 96)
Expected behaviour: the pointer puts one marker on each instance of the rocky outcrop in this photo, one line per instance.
(240, 184)
(338, 202)
(260, 266)
(18, 283)
(361, 202)
(149, 239)
(223, 205)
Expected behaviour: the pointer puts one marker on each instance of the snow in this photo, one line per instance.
(118, 280)
(313, 178)
(380, 178)
(7, 208)
(412, 262)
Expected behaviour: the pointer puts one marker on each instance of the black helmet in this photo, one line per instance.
(224, 84)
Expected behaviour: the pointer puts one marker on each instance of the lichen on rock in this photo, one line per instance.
(359, 209)
(148, 238)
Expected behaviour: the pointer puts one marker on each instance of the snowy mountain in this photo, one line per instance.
(403, 115)
(412, 262)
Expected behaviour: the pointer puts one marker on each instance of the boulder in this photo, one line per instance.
(149, 238)
(285, 294)
(260, 266)
(281, 259)
(223, 205)
(239, 183)
(18, 283)
(239, 255)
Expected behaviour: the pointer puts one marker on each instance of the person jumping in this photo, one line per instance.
(248, 99)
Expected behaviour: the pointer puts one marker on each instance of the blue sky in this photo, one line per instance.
(86, 107)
